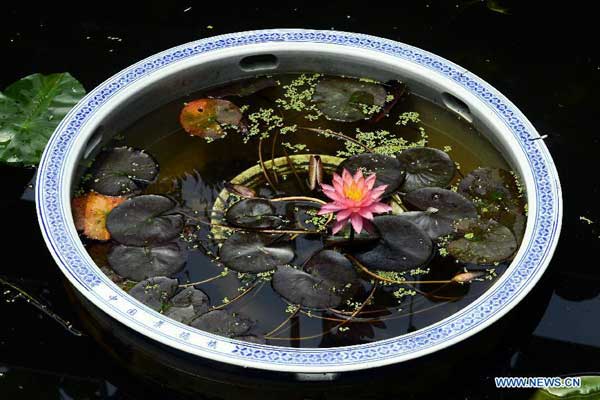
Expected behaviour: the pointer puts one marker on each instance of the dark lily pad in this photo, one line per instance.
(482, 242)
(425, 167)
(493, 191)
(402, 245)
(300, 287)
(223, 323)
(154, 292)
(349, 100)
(496, 195)
(332, 266)
(209, 118)
(144, 220)
(255, 252)
(139, 263)
(438, 210)
(122, 171)
(187, 305)
(253, 213)
(388, 169)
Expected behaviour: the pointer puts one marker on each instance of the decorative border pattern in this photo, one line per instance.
(71, 258)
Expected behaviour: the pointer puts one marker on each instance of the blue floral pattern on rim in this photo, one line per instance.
(71, 257)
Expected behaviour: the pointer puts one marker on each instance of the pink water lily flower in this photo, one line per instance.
(355, 200)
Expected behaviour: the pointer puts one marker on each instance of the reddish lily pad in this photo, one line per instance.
(482, 242)
(90, 212)
(208, 118)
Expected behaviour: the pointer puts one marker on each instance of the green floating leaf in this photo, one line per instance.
(30, 111)
(208, 118)
(154, 292)
(388, 169)
(122, 171)
(438, 210)
(349, 100)
(223, 323)
(188, 304)
(482, 242)
(253, 213)
(139, 263)
(255, 252)
(327, 281)
(402, 245)
(144, 220)
(425, 167)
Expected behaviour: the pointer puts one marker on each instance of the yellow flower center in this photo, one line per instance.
(353, 192)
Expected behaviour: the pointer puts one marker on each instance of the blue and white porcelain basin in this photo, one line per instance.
(163, 77)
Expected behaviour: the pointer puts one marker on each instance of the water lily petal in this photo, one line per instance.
(365, 213)
(357, 222)
(370, 181)
(330, 208)
(338, 226)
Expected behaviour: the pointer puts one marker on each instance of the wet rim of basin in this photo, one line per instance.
(55, 174)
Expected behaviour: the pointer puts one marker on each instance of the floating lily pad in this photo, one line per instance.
(496, 195)
(122, 171)
(482, 242)
(223, 323)
(332, 266)
(425, 167)
(208, 118)
(139, 263)
(187, 305)
(349, 100)
(387, 168)
(90, 212)
(300, 287)
(493, 190)
(255, 252)
(402, 245)
(144, 220)
(154, 292)
(253, 213)
(438, 210)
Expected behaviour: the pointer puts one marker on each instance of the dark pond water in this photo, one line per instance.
(548, 66)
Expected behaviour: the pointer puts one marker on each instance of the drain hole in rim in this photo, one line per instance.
(457, 105)
(259, 62)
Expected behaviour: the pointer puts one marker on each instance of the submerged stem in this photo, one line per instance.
(282, 324)
(184, 285)
(262, 165)
(236, 298)
(339, 135)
